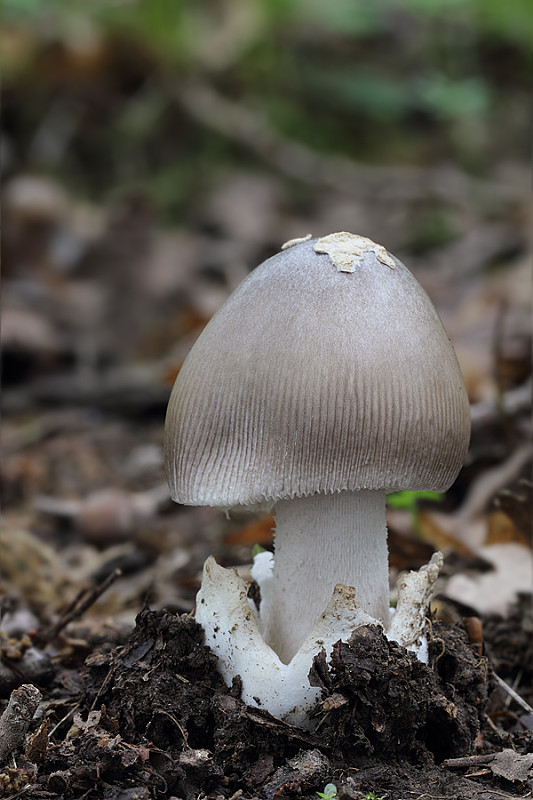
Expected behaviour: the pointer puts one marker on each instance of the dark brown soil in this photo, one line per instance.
(153, 719)
(509, 646)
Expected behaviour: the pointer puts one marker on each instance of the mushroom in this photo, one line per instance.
(325, 381)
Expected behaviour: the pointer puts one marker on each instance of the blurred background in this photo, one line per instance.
(153, 153)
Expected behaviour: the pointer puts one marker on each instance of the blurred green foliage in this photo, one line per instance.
(387, 81)
(389, 96)
(409, 501)
(166, 23)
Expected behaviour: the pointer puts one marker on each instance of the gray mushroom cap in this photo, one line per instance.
(313, 378)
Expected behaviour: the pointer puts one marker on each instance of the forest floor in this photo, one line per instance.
(99, 569)
(100, 572)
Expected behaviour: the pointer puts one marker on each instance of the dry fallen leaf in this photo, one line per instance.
(517, 504)
(494, 591)
(35, 569)
(258, 532)
(512, 766)
(442, 540)
(502, 529)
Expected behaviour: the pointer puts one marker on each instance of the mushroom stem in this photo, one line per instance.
(320, 541)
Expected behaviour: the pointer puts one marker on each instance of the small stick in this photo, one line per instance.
(254, 131)
(511, 692)
(514, 401)
(491, 481)
(468, 761)
(63, 719)
(16, 719)
(79, 606)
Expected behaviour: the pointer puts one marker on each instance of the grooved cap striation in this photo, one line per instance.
(314, 380)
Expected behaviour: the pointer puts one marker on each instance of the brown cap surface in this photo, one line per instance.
(315, 378)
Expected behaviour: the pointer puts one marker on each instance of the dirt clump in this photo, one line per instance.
(163, 702)
(380, 699)
(152, 719)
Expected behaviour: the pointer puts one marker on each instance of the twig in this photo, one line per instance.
(254, 131)
(30, 433)
(511, 692)
(493, 725)
(57, 506)
(147, 502)
(104, 685)
(16, 719)
(516, 683)
(21, 792)
(468, 761)
(491, 481)
(63, 720)
(513, 402)
(130, 390)
(79, 606)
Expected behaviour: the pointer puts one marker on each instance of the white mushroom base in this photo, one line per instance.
(232, 631)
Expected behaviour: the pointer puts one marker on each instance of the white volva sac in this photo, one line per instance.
(324, 382)
(233, 629)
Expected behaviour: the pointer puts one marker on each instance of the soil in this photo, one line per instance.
(152, 718)
(509, 645)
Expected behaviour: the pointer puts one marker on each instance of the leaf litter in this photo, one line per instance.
(101, 306)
